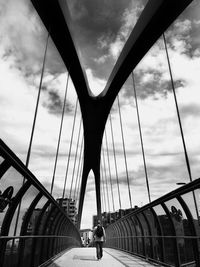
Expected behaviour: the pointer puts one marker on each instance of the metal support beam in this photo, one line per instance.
(154, 20)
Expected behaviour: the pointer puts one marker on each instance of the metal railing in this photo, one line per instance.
(166, 231)
(33, 227)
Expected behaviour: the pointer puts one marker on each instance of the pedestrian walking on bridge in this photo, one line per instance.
(99, 238)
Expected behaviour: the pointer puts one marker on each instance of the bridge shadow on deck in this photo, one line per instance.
(86, 257)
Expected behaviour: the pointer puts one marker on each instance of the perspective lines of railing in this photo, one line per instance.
(41, 229)
(166, 231)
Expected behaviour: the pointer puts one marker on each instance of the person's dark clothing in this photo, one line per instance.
(99, 242)
(99, 249)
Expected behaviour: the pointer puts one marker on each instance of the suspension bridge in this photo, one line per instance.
(35, 229)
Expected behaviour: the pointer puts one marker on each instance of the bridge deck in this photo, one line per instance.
(87, 257)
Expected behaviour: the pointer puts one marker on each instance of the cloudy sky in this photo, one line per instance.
(100, 29)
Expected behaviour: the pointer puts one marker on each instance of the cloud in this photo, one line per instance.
(55, 104)
(24, 37)
(190, 111)
(25, 46)
(100, 30)
(152, 73)
(129, 19)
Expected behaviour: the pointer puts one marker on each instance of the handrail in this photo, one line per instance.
(55, 235)
(167, 230)
(181, 190)
(158, 236)
(35, 236)
(20, 166)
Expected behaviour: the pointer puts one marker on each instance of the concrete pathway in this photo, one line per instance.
(86, 257)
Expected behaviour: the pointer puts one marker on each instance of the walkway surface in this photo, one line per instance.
(82, 257)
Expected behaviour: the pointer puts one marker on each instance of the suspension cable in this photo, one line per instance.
(103, 187)
(177, 110)
(80, 176)
(69, 155)
(111, 186)
(115, 160)
(101, 193)
(80, 167)
(105, 177)
(59, 137)
(77, 174)
(79, 131)
(33, 129)
(141, 138)
(37, 103)
(180, 124)
(127, 176)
